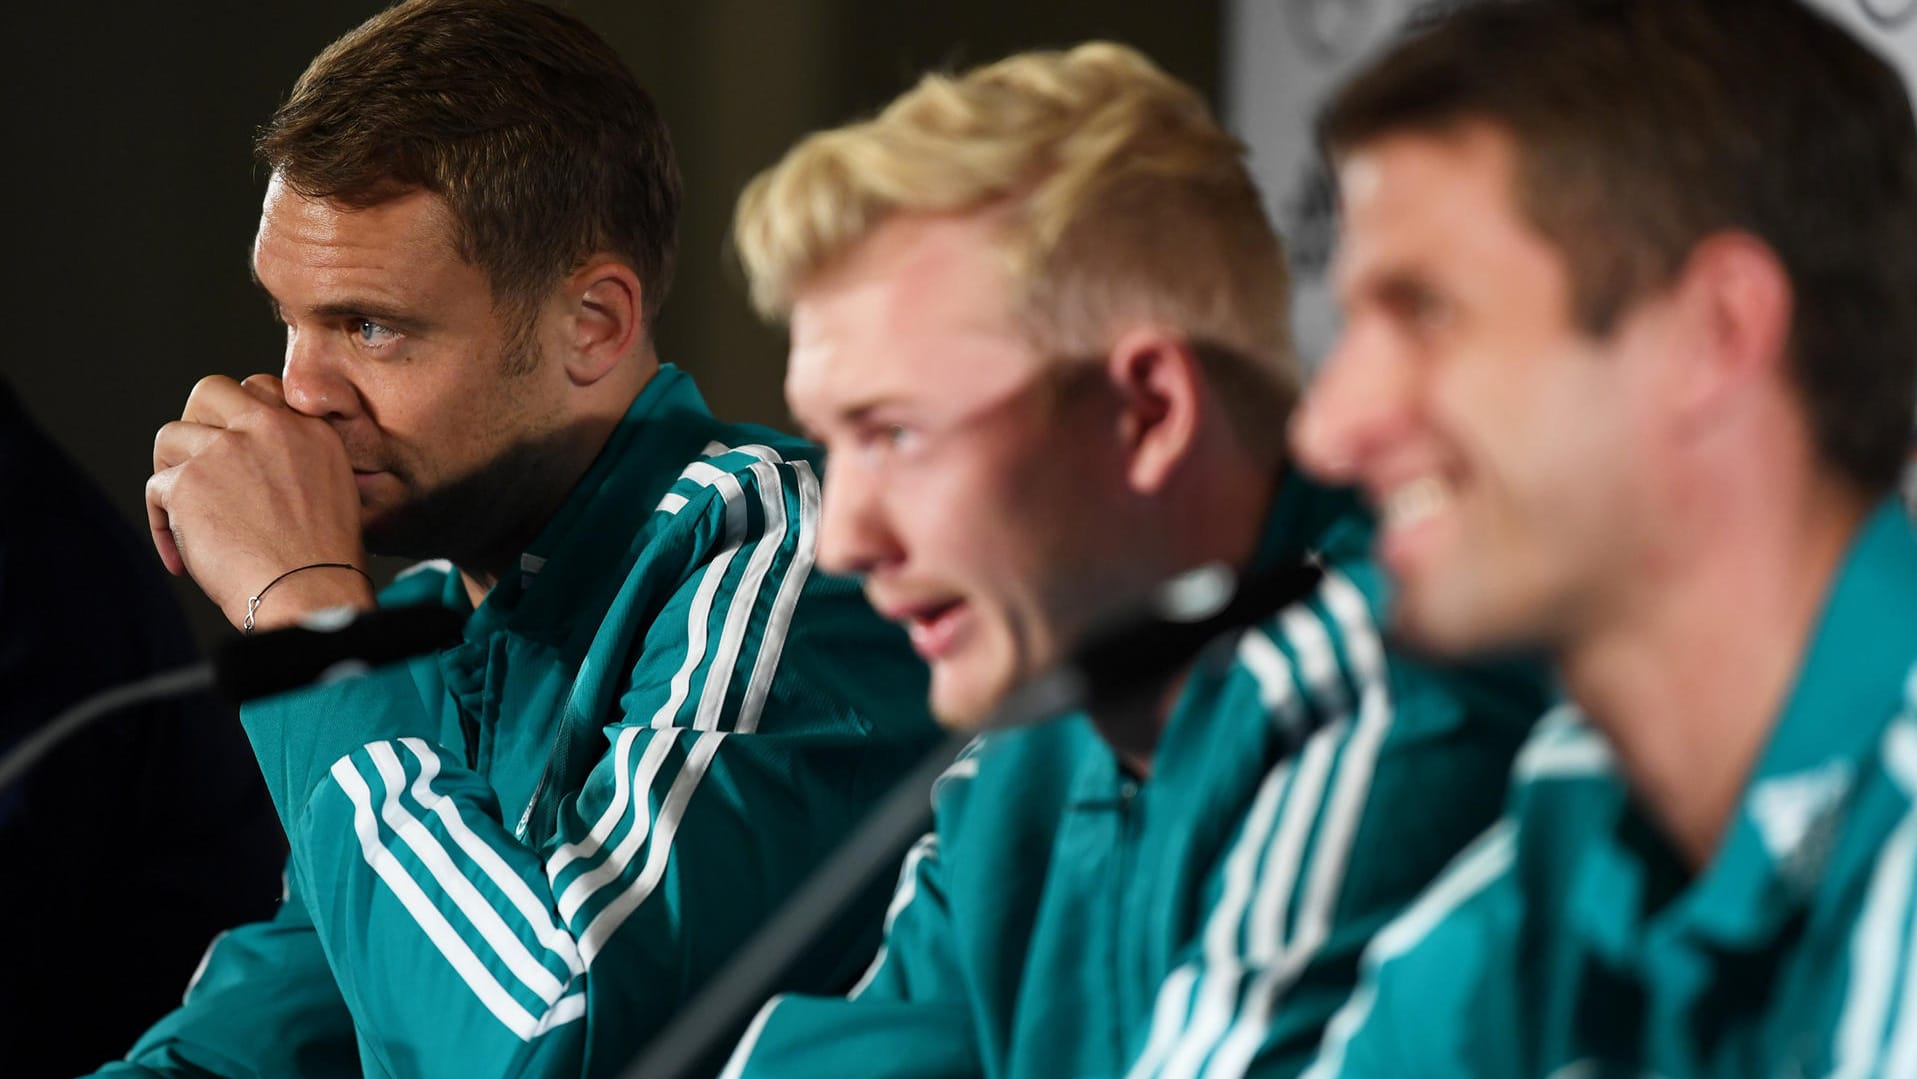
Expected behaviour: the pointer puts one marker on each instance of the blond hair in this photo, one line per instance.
(1119, 198)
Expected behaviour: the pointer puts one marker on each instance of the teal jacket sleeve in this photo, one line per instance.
(1339, 840)
(909, 1011)
(1418, 1012)
(262, 1004)
(740, 746)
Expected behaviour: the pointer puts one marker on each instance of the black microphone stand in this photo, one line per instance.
(328, 645)
(179, 682)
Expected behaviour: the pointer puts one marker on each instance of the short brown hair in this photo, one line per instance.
(542, 143)
(1118, 194)
(1644, 126)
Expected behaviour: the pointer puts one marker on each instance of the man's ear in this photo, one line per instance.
(604, 318)
(1741, 301)
(1161, 389)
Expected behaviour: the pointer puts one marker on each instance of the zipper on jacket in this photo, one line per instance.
(469, 730)
(561, 744)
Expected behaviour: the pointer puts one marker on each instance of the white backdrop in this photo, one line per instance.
(1282, 56)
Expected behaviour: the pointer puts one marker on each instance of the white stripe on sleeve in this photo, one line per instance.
(736, 1066)
(595, 838)
(1180, 1044)
(1331, 855)
(780, 621)
(427, 916)
(1277, 694)
(1285, 862)
(640, 785)
(1880, 947)
(745, 598)
(1317, 659)
(1474, 871)
(517, 892)
(1185, 1022)
(1222, 928)
(413, 832)
(902, 896)
(614, 914)
(697, 616)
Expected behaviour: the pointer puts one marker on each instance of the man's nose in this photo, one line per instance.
(855, 536)
(314, 382)
(1360, 398)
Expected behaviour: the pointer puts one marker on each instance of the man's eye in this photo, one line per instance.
(881, 442)
(898, 440)
(372, 333)
(1428, 311)
(1417, 308)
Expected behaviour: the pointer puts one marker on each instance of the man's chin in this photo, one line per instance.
(1457, 631)
(959, 717)
(963, 707)
(1003, 704)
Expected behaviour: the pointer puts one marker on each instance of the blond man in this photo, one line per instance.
(1037, 318)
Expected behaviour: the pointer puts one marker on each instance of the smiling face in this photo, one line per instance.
(1512, 457)
(449, 420)
(975, 485)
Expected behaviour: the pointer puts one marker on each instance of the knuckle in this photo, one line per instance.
(170, 444)
(263, 385)
(275, 423)
(206, 385)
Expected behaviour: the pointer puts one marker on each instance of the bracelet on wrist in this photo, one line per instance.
(253, 601)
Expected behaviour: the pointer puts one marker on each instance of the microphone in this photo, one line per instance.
(330, 645)
(324, 647)
(1136, 651)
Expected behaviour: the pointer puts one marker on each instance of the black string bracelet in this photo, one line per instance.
(253, 601)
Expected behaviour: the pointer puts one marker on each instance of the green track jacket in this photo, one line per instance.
(1569, 941)
(519, 856)
(1063, 920)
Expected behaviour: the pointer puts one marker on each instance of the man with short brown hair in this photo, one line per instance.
(519, 855)
(1628, 368)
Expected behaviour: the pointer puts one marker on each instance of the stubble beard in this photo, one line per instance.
(481, 521)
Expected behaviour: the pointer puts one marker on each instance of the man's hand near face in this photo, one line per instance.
(245, 489)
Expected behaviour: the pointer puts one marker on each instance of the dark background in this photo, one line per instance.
(132, 196)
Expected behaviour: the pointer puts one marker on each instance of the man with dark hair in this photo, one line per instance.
(518, 855)
(1628, 368)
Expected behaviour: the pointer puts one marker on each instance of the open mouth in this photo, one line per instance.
(1403, 512)
(934, 628)
(1413, 502)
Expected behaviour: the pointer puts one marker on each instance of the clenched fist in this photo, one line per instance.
(243, 489)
